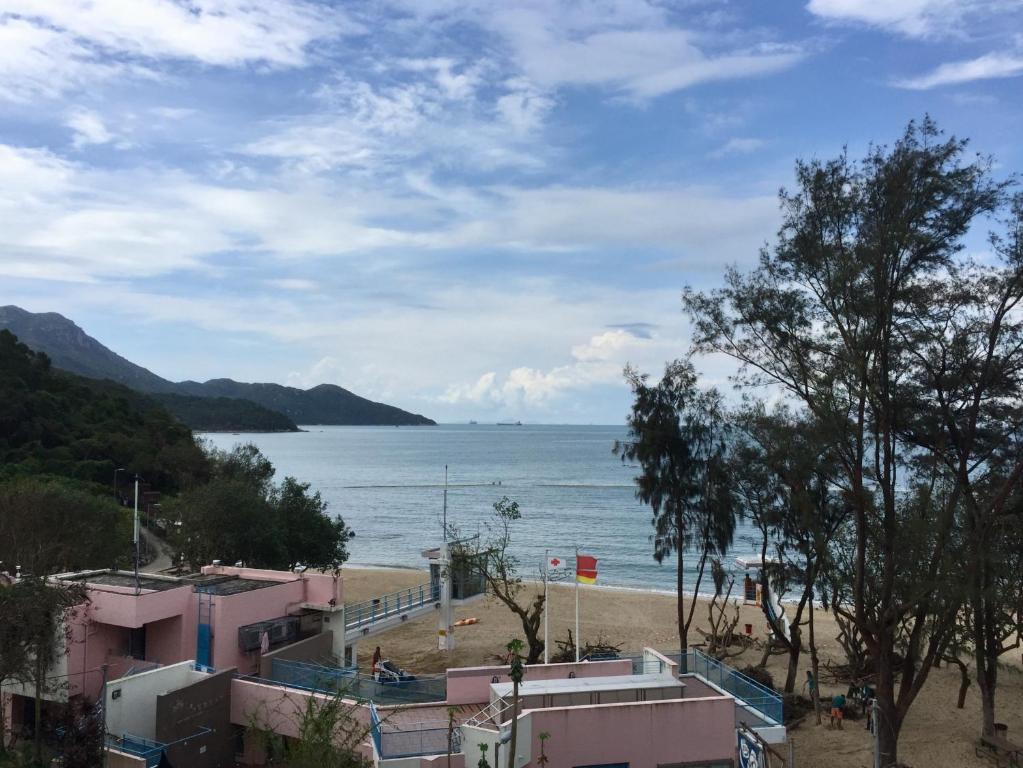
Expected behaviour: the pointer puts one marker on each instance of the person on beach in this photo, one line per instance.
(837, 709)
(810, 685)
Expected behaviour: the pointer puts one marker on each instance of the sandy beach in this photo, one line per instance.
(936, 734)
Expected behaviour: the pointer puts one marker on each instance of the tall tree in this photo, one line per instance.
(785, 475)
(823, 317)
(964, 338)
(678, 436)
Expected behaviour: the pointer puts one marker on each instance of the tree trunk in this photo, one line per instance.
(37, 736)
(889, 722)
(814, 665)
(683, 629)
(795, 646)
(964, 683)
(987, 682)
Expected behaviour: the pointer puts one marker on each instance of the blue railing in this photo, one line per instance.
(374, 717)
(316, 677)
(149, 750)
(745, 689)
(367, 612)
(347, 682)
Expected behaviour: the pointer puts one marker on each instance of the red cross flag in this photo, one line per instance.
(555, 564)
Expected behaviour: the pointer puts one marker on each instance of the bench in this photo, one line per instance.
(998, 748)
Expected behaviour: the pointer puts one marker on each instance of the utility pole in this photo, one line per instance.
(104, 726)
(138, 587)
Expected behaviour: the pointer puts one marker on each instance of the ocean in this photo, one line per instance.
(388, 485)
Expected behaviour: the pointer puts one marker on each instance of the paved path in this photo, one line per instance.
(162, 561)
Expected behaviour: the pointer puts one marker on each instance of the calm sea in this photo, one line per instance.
(388, 484)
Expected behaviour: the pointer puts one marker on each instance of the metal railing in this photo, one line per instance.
(412, 739)
(316, 677)
(747, 690)
(149, 750)
(367, 612)
(346, 681)
(374, 718)
(490, 715)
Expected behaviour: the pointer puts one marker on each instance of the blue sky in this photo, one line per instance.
(468, 209)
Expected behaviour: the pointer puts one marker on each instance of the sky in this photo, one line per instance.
(471, 210)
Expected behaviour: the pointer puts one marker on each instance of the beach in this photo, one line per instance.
(935, 733)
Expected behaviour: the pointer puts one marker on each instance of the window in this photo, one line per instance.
(711, 764)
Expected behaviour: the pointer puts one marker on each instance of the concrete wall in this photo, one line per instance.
(310, 649)
(131, 701)
(277, 708)
(471, 685)
(121, 607)
(643, 735)
(233, 611)
(116, 759)
(188, 711)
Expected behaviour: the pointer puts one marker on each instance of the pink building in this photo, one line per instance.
(193, 663)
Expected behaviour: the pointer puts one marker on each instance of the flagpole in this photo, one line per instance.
(577, 605)
(546, 603)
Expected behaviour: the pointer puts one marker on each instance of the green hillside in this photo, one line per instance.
(56, 423)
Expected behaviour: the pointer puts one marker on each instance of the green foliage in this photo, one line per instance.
(241, 515)
(53, 525)
(34, 612)
(908, 357)
(678, 435)
(482, 763)
(329, 735)
(61, 424)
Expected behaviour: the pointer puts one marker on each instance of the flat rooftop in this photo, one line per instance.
(215, 584)
(126, 580)
(586, 685)
(230, 585)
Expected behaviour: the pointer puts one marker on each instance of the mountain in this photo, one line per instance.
(71, 349)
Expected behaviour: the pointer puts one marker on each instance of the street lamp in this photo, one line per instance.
(116, 492)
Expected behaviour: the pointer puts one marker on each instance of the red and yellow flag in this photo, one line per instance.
(586, 569)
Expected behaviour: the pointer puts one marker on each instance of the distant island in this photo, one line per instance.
(215, 405)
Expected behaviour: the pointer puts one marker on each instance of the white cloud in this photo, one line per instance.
(990, 66)
(738, 146)
(630, 47)
(48, 48)
(432, 117)
(921, 18)
(599, 361)
(634, 47)
(88, 128)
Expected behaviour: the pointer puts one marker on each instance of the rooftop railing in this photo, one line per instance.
(348, 682)
(358, 615)
(747, 690)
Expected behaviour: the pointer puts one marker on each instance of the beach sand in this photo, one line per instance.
(935, 734)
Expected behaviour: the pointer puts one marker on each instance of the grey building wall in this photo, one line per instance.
(183, 713)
